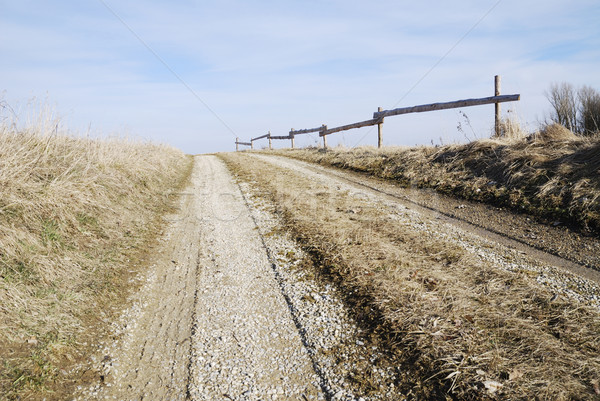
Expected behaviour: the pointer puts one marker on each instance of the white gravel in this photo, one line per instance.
(245, 343)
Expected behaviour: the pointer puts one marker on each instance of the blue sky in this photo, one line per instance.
(274, 65)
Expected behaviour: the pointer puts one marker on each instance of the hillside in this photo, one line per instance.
(75, 216)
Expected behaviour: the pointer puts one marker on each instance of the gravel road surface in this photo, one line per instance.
(227, 312)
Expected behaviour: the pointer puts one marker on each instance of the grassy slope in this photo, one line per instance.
(551, 174)
(75, 214)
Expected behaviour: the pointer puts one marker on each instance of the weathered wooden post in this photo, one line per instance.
(270, 141)
(497, 93)
(379, 127)
(237, 146)
(252, 144)
(323, 129)
(292, 137)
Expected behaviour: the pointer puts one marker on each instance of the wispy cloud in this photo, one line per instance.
(271, 65)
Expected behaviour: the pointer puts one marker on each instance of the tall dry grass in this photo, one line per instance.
(72, 211)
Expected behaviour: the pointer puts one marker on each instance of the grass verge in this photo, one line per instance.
(552, 174)
(76, 218)
(456, 326)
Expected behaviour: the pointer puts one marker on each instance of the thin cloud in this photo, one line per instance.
(273, 65)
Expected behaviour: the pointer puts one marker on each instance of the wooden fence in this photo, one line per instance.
(380, 114)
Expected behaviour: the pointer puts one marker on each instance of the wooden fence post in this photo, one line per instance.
(497, 93)
(252, 144)
(323, 129)
(379, 127)
(237, 146)
(270, 141)
(292, 138)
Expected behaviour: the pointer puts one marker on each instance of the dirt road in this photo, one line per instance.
(211, 322)
(441, 287)
(226, 312)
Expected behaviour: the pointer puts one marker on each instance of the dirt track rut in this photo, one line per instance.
(151, 359)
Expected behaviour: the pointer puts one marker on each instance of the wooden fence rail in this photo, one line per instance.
(361, 124)
(260, 137)
(448, 105)
(307, 131)
(380, 114)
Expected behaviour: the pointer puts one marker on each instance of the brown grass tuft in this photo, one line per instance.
(510, 129)
(73, 212)
(554, 132)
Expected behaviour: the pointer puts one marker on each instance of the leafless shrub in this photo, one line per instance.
(589, 110)
(578, 111)
(563, 99)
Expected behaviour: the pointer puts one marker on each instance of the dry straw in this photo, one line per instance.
(72, 209)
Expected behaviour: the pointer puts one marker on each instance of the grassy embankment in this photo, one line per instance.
(552, 174)
(76, 218)
(456, 326)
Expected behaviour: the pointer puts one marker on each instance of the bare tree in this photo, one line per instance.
(589, 110)
(564, 102)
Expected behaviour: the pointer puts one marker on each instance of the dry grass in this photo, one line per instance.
(552, 173)
(72, 212)
(456, 327)
(510, 129)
